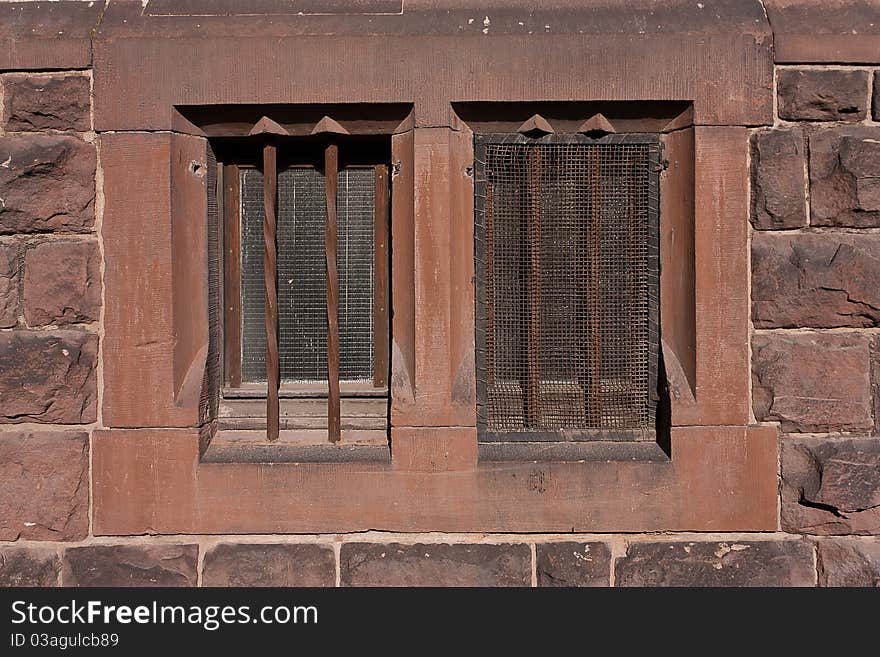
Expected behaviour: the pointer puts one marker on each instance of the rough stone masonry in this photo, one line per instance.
(814, 233)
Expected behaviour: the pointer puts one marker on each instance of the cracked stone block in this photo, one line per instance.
(710, 563)
(29, 566)
(822, 95)
(831, 485)
(8, 285)
(815, 280)
(778, 185)
(284, 564)
(62, 283)
(849, 562)
(812, 382)
(440, 564)
(47, 183)
(845, 177)
(45, 491)
(48, 377)
(157, 564)
(573, 564)
(47, 102)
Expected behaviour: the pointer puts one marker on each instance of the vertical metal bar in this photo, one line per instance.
(532, 415)
(331, 173)
(594, 294)
(489, 278)
(232, 275)
(273, 378)
(381, 285)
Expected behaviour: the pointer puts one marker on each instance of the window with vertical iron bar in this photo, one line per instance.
(290, 348)
(567, 287)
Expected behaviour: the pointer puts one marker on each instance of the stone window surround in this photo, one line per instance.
(147, 472)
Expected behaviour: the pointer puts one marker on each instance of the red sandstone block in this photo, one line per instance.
(812, 382)
(47, 183)
(710, 563)
(44, 494)
(47, 102)
(442, 564)
(275, 564)
(822, 95)
(48, 377)
(62, 283)
(831, 485)
(156, 564)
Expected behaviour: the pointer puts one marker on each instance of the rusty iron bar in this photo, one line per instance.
(331, 174)
(489, 268)
(270, 239)
(380, 295)
(532, 410)
(594, 294)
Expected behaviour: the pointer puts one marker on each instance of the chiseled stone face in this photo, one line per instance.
(282, 564)
(48, 377)
(442, 564)
(844, 185)
(157, 564)
(778, 184)
(571, 563)
(710, 563)
(47, 102)
(29, 566)
(62, 283)
(47, 183)
(812, 382)
(822, 95)
(849, 562)
(44, 494)
(815, 280)
(8, 285)
(831, 485)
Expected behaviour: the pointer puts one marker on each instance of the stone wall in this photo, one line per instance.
(815, 285)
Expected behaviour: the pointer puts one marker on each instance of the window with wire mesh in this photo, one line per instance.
(567, 273)
(302, 281)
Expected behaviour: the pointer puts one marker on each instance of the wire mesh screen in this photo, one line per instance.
(302, 291)
(209, 397)
(567, 271)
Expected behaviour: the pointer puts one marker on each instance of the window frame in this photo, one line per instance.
(362, 408)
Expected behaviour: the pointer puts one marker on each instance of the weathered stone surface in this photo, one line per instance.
(47, 183)
(778, 180)
(573, 564)
(8, 285)
(47, 102)
(734, 563)
(249, 564)
(48, 376)
(44, 494)
(158, 564)
(442, 564)
(849, 562)
(822, 95)
(844, 179)
(815, 280)
(831, 485)
(62, 283)
(812, 382)
(29, 566)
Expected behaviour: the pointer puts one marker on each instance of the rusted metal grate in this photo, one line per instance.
(567, 286)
